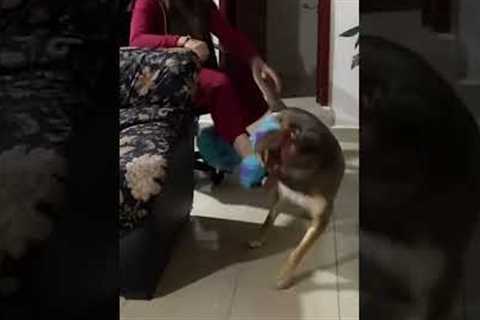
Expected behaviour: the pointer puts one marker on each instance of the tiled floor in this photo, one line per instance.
(213, 275)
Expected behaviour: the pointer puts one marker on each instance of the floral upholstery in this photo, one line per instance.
(156, 88)
(33, 138)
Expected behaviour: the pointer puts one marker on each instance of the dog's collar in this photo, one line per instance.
(275, 174)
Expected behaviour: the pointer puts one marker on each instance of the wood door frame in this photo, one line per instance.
(324, 8)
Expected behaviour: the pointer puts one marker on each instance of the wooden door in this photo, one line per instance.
(323, 52)
(249, 16)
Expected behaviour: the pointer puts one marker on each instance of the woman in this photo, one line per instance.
(233, 100)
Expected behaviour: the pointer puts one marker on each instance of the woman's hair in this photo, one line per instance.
(190, 17)
(186, 16)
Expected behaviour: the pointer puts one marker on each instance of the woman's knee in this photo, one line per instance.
(217, 79)
(223, 82)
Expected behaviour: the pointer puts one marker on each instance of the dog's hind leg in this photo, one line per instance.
(320, 212)
(267, 225)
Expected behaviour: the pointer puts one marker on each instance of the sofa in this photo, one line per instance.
(58, 238)
(156, 161)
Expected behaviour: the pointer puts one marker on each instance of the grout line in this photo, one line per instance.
(234, 293)
(335, 246)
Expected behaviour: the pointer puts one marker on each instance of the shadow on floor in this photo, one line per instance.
(284, 238)
(208, 245)
(230, 193)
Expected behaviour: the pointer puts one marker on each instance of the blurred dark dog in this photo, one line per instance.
(419, 186)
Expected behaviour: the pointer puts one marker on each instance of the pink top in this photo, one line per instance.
(148, 29)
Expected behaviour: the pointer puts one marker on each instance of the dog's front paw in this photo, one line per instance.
(284, 282)
(285, 277)
(255, 244)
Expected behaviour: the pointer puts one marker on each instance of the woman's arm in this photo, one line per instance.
(147, 27)
(235, 42)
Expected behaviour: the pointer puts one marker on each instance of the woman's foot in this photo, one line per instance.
(219, 154)
(216, 151)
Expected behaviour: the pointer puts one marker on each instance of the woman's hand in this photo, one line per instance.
(200, 48)
(260, 68)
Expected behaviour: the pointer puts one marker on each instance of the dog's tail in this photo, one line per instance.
(274, 102)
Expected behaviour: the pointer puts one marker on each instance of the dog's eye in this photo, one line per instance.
(294, 132)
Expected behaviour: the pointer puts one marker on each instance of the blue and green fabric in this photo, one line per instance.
(221, 155)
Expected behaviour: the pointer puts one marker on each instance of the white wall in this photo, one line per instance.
(345, 81)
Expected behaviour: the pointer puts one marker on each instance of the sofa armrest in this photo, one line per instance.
(156, 90)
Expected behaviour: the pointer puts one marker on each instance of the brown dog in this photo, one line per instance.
(305, 166)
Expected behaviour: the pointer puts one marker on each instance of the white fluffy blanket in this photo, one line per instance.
(144, 174)
(27, 177)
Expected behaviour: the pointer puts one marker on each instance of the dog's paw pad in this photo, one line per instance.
(255, 244)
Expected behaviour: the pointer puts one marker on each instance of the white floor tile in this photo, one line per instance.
(347, 247)
(200, 280)
(349, 298)
(313, 295)
(264, 303)
(122, 302)
(207, 298)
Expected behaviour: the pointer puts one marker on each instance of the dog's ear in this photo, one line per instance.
(270, 141)
(294, 133)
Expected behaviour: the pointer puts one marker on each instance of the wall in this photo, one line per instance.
(345, 88)
(292, 51)
(292, 44)
(457, 62)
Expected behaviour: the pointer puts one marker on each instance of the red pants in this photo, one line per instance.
(232, 99)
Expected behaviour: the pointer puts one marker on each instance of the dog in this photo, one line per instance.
(419, 183)
(305, 166)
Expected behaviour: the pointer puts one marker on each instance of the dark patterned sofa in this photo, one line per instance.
(156, 161)
(56, 134)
